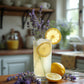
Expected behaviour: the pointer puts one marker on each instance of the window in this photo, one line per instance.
(72, 14)
(83, 18)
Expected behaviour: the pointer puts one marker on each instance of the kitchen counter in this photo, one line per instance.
(77, 54)
(16, 52)
(79, 80)
(55, 52)
(24, 51)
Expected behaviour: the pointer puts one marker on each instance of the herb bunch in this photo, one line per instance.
(64, 27)
(24, 78)
(38, 25)
(29, 78)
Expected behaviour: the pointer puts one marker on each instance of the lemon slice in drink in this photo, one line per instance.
(54, 35)
(53, 77)
(44, 49)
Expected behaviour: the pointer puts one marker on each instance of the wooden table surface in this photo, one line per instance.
(79, 80)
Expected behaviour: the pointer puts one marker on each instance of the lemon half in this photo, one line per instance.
(44, 49)
(54, 35)
(53, 77)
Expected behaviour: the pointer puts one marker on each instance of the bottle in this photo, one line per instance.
(29, 39)
(12, 40)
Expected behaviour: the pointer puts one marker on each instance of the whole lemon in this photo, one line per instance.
(57, 68)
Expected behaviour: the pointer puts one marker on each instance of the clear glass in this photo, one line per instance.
(42, 64)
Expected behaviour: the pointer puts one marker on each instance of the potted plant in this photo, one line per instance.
(65, 29)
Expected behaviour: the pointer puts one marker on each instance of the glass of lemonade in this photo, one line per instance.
(42, 57)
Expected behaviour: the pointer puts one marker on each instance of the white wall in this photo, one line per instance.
(12, 22)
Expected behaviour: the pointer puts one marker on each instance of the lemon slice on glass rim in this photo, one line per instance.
(54, 35)
(44, 49)
(53, 77)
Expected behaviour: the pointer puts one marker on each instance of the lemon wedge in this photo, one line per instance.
(54, 35)
(53, 77)
(44, 49)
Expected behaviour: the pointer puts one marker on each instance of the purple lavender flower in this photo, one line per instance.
(42, 21)
(46, 28)
(19, 79)
(38, 24)
(40, 8)
(33, 24)
(17, 82)
(73, 78)
(33, 12)
(27, 82)
(38, 82)
(8, 79)
(17, 75)
(48, 23)
(13, 77)
(30, 14)
(65, 76)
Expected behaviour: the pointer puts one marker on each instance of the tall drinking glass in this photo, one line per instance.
(42, 56)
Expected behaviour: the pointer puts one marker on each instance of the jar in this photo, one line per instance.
(12, 41)
(29, 39)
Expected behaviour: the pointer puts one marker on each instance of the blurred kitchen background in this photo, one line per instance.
(16, 41)
(69, 10)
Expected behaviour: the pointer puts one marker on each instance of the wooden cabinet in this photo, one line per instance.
(16, 64)
(80, 65)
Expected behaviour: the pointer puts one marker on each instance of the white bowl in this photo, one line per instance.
(27, 5)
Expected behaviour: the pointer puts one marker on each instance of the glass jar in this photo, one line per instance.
(29, 39)
(12, 41)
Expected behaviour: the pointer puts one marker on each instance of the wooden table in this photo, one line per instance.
(80, 80)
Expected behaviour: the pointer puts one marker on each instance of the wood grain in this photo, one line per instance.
(18, 11)
(24, 51)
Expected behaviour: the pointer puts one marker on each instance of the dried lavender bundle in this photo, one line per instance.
(38, 26)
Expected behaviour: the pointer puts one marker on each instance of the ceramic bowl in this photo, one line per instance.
(27, 5)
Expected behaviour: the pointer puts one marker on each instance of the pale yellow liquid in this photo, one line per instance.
(42, 65)
(12, 44)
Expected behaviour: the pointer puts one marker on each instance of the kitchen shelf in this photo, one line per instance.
(21, 11)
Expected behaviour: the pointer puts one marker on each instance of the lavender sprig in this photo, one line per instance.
(24, 78)
(38, 24)
(68, 76)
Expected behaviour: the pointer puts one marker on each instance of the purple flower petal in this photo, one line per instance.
(30, 14)
(27, 82)
(33, 12)
(73, 78)
(17, 82)
(8, 79)
(40, 8)
(38, 82)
